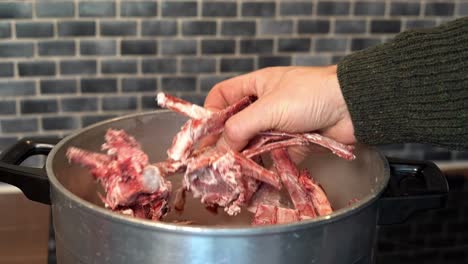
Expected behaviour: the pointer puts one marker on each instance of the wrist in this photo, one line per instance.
(343, 126)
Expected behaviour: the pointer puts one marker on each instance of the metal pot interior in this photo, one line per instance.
(342, 180)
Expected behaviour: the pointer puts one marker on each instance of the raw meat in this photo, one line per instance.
(270, 214)
(132, 186)
(219, 178)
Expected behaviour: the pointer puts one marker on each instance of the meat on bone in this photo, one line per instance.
(218, 177)
(198, 128)
(270, 214)
(132, 186)
(289, 175)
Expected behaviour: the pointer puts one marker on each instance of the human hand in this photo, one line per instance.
(290, 99)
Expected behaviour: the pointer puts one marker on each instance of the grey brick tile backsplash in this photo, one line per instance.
(178, 84)
(333, 8)
(178, 46)
(58, 86)
(238, 65)
(60, 122)
(79, 104)
(296, 8)
(16, 49)
(98, 47)
(313, 26)
(17, 9)
(193, 28)
(294, 45)
(74, 63)
(55, 9)
(118, 66)
(138, 9)
(198, 65)
(256, 46)
(5, 29)
(34, 29)
(76, 28)
(405, 9)
(99, 85)
(276, 27)
(317, 60)
(139, 85)
(96, 9)
(385, 26)
(114, 103)
(219, 9)
(7, 107)
(160, 65)
(439, 9)
(350, 26)
(148, 102)
(6, 69)
(92, 119)
(56, 48)
(138, 47)
(238, 28)
(78, 67)
(218, 46)
(269, 61)
(363, 43)
(17, 88)
(330, 44)
(18, 125)
(36, 68)
(122, 28)
(419, 23)
(369, 8)
(159, 27)
(36, 106)
(258, 9)
(179, 9)
(463, 9)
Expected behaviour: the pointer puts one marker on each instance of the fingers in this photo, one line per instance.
(230, 91)
(241, 127)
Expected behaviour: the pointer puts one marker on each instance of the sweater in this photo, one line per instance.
(411, 89)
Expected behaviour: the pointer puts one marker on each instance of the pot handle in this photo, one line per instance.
(33, 182)
(413, 186)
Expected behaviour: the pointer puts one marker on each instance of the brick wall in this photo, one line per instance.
(68, 64)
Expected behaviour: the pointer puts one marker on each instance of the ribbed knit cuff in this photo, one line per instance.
(411, 89)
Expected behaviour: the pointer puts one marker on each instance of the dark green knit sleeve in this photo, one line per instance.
(412, 89)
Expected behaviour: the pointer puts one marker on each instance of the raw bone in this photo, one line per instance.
(270, 215)
(130, 183)
(289, 176)
(182, 106)
(341, 150)
(195, 129)
(220, 178)
(217, 178)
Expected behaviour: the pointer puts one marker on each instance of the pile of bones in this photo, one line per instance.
(219, 178)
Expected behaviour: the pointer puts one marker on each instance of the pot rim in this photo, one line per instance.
(337, 215)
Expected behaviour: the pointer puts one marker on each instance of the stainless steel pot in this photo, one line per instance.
(88, 233)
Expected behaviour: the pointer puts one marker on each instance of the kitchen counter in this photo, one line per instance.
(24, 228)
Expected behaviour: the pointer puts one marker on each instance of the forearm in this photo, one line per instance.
(411, 89)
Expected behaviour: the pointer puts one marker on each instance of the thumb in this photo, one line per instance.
(243, 126)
